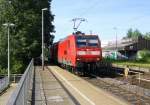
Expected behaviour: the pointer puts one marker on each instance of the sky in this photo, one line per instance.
(102, 16)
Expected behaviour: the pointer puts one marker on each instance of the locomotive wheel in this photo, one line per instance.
(67, 67)
(72, 70)
(76, 71)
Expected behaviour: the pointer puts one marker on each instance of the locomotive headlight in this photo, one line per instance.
(81, 52)
(98, 59)
(78, 59)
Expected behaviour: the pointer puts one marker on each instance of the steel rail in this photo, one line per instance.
(117, 90)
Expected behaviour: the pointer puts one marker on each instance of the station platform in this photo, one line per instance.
(84, 92)
(47, 90)
(7, 94)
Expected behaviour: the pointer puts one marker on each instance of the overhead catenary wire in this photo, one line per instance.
(94, 5)
(80, 20)
(130, 22)
(97, 2)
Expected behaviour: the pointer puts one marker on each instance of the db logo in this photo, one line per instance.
(88, 52)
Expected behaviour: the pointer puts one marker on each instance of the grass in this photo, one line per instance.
(131, 63)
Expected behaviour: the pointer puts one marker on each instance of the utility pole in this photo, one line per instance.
(115, 28)
(79, 21)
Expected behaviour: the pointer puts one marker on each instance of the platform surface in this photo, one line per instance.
(48, 91)
(7, 94)
(84, 92)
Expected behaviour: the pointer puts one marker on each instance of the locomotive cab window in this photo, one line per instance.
(81, 42)
(87, 41)
(93, 43)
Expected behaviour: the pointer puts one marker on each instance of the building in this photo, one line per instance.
(128, 46)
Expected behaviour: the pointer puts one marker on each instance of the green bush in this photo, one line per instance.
(17, 66)
(3, 71)
(143, 55)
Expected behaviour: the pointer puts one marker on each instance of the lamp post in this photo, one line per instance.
(44, 9)
(8, 25)
(115, 28)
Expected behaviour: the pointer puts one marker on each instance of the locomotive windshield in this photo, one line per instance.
(87, 41)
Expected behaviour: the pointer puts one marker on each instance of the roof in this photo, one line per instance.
(120, 45)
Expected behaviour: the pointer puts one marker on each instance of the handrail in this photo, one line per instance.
(14, 78)
(21, 94)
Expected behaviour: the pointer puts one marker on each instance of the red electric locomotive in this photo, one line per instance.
(78, 51)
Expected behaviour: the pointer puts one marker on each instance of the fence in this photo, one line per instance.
(14, 78)
(22, 93)
(133, 68)
(3, 83)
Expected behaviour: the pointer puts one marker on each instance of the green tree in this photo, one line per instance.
(133, 34)
(26, 35)
(147, 36)
(129, 33)
(143, 55)
(136, 33)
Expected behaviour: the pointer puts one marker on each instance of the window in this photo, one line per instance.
(93, 42)
(81, 42)
(87, 41)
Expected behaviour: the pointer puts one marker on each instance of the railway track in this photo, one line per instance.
(117, 90)
(132, 93)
